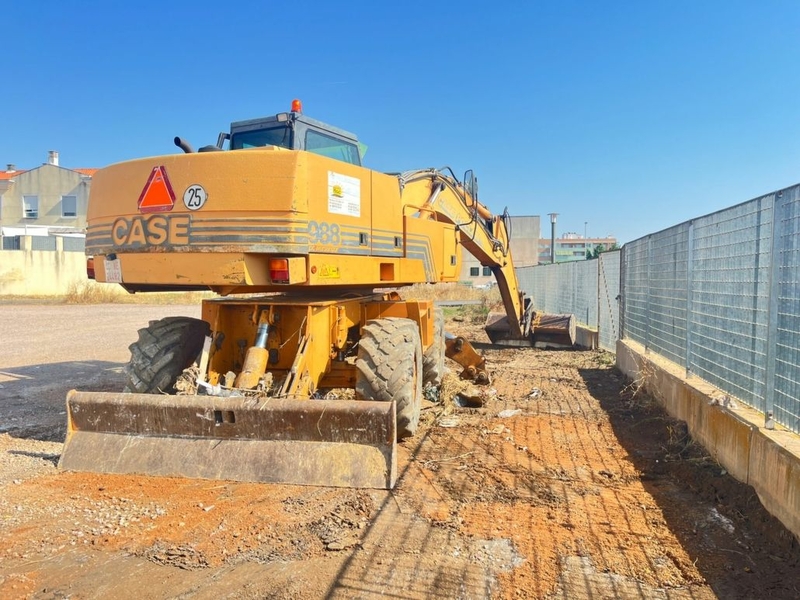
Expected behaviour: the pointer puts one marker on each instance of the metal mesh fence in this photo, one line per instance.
(730, 296)
(43, 242)
(784, 328)
(528, 281)
(667, 297)
(635, 261)
(584, 298)
(540, 284)
(563, 288)
(11, 242)
(608, 325)
(720, 295)
(590, 290)
(74, 244)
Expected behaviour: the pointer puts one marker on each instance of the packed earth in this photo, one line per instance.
(561, 479)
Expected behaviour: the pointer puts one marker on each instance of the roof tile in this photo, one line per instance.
(6, 175)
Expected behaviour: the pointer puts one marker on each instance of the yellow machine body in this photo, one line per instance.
(262, 203)
(299, 245)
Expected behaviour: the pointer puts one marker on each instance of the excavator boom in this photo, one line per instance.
(484, 235)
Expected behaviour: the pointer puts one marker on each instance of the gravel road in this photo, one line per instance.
(49, 349)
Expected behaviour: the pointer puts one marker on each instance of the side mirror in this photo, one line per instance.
(471, 184)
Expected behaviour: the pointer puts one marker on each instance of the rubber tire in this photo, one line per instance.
(389, 367)
(433, 358)
(164, 349)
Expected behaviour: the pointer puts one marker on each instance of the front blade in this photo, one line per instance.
(310, 442)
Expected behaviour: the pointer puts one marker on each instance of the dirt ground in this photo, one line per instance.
(566, 483)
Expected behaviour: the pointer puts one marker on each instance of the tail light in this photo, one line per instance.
(90, 267)
(279, 270)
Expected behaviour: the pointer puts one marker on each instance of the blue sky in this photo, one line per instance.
(628, 116)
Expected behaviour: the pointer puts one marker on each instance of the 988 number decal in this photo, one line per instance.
(195, 197)
(324, 233)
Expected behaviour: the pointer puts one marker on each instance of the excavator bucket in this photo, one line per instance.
(310, 442)
(498, 330)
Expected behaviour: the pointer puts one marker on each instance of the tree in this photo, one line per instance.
(599, 249)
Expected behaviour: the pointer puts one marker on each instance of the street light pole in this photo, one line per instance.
(552, 237)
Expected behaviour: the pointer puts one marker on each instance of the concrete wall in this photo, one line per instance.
(586, 337)
(733, 433)
(42, 273)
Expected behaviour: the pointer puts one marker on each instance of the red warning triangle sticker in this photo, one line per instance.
(157, 195)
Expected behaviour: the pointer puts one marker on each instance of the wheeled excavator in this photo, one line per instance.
(305, 367)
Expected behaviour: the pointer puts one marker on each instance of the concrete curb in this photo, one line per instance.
(586, 337)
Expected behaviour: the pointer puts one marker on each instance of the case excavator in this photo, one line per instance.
(305, 367)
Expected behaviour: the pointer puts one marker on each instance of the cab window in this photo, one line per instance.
(332, 147)
(275, 136)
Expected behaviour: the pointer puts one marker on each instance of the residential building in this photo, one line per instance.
(524, 238)
(572, 246)
(46, 200)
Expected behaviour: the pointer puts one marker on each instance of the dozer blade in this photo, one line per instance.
(310, 442)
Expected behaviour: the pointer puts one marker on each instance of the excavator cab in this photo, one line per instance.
(295, 131)
(290, 130)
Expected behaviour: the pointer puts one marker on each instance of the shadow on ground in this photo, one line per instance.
(33, 397)
(741, 550)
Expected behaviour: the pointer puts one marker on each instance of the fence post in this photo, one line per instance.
(621, 297)
(772, 314)
(597, 304)
(649, 316)
(689, 279)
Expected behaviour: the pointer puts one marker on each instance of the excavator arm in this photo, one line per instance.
(437, 194)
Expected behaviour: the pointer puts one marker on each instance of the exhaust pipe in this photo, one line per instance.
(183, 145)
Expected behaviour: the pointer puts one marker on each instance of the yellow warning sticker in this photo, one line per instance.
(329, 272)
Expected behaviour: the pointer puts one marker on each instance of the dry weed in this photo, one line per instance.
(452, 386)
(635, 390)
(481, 301)
(90, 292)
(452, 292)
